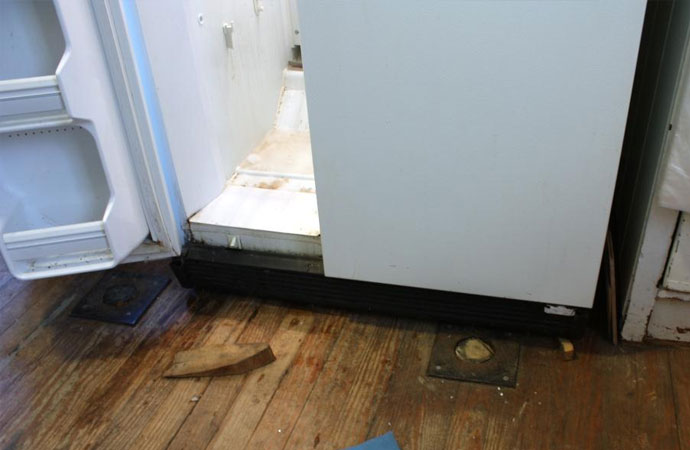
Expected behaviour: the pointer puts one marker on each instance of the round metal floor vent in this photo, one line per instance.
(474, 349)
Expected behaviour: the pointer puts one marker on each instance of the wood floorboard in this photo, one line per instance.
(174, 418)
(679, 363)
(89, 378)
(203, 418)
(51, 345)
(278, 421)
(418, 409)
(340, 378)
(106, 406)
(9, 288)
(129, 424)
(637, 397)
(34, 303)
(259, 386)
(23, 359)
(549, 391)
(83, 372)
(351, 383)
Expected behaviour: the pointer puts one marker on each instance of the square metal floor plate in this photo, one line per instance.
(120, 297)
(499, 370)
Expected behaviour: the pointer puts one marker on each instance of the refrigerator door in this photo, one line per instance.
(69, 197)
(469, 146)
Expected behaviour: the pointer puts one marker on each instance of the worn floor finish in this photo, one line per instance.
(340, 378)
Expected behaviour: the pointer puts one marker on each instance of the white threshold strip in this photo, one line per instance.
(261, 173)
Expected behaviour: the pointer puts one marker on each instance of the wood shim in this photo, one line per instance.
(219, 360)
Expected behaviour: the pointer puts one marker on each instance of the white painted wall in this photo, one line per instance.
(677, 275)
(649, 269)
(240, 86)
(649, 227)
(659, 306)
(670, 320)
(194, 149)
(674, 187)
(217, 102)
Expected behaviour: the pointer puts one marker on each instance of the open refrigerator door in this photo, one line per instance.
(69, 196)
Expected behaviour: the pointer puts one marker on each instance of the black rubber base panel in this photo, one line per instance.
(302, 280)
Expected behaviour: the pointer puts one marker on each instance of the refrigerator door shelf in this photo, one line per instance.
(69, 198)
(28, 103)
(57, 251)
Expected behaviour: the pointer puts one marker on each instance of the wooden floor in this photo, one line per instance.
(339, 379)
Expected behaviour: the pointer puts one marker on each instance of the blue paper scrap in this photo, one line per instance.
(385, 442)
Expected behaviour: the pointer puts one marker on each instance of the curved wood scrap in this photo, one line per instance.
(218, 360)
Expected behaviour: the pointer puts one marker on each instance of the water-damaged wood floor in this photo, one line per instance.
(340, 378)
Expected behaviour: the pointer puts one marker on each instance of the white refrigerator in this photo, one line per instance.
(459, 146)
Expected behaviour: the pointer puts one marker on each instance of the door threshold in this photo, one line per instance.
(269, 203)
(261, 220)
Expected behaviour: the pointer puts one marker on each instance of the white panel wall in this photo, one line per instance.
(217, 102)
(469, 146)
(674, 190)
(670, 320)
(195, 151)
(241, 86)
(645, 229)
